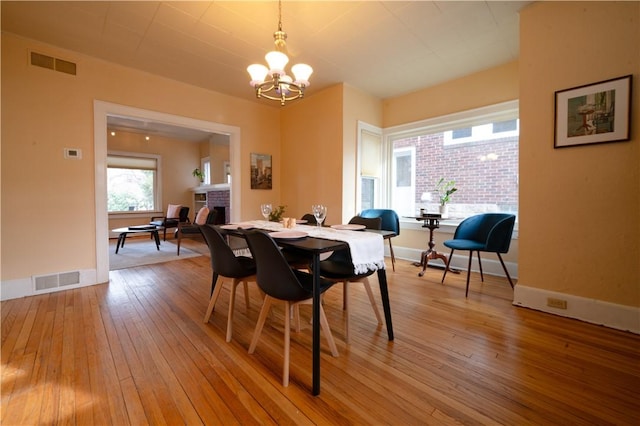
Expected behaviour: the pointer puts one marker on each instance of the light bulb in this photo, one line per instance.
(258, 73)
(277, 61)
(302, 72)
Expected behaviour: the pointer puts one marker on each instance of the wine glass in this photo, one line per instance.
(266, 209)
(319, 212)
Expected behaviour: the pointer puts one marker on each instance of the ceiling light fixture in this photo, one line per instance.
(273, 82)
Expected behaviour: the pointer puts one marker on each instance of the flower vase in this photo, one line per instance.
(444, 211)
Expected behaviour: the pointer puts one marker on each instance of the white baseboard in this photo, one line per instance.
(490, 262)
(22, 287)
(620, 317)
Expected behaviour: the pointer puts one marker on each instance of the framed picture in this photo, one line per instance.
(260, 171)
(594, 113)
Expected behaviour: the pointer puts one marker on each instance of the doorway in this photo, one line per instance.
(101, 112)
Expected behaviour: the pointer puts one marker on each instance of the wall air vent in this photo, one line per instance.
(47, 282)
(52, 63)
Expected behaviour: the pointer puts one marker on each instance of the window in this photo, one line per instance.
(132, 182)
(462, 133)
(369, 166)
(477, 149)
(369, 188)
(205, 166)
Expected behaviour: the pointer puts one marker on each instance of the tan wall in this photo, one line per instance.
(579, 206)
(218, 154)
(358, 106)
(319, 150)
(44, 111)
(492, 86)
(178, 159)
(311, 163)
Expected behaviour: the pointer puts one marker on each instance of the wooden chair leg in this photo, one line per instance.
(246, 294)
(296, 317)
(212, 301)
(178, 242)
(327, 332)
(372, 300)
(264, 311)
(232, 304)
(480, 264)
(393, 257)
(214, 280)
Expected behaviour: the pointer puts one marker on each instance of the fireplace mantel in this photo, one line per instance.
(203, 189)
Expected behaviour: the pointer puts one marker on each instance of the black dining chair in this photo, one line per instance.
(310, 218)
(226, 265)
(369, 223)
(338, 267)
(280, 282)
(488, 232)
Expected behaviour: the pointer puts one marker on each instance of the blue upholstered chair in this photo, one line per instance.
(488, 232)
(390, 222)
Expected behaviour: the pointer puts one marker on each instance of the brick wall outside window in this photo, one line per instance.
(480, 179)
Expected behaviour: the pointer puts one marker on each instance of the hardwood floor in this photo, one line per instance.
(135, 351)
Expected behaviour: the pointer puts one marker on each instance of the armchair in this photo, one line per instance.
(192, 230)
(489, 232)
(175, 214)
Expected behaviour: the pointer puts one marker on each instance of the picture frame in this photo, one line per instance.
(261, 171)
(594, 113)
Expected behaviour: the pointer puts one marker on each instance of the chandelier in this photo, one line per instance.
(273, 82)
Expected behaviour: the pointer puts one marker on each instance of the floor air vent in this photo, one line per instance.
(52, 63)
(46, 282)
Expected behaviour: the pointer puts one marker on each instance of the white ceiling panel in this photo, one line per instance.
(385, 48)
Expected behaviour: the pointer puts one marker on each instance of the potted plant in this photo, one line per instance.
(198, 173)
(445, 189)
(276, 214)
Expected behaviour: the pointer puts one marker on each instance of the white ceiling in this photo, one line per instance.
(385, 48)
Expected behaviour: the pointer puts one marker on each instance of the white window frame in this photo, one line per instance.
(493, 113)
(481, 132)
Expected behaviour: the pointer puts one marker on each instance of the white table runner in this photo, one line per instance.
(367, 248)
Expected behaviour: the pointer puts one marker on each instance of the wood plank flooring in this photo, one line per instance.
(135, 351)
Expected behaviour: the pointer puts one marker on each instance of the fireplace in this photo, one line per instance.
(220, 201)
(221, 215)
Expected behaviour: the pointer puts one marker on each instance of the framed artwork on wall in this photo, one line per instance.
(593, 113)
(260, 171)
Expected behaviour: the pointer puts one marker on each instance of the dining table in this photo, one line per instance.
(367, 250)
